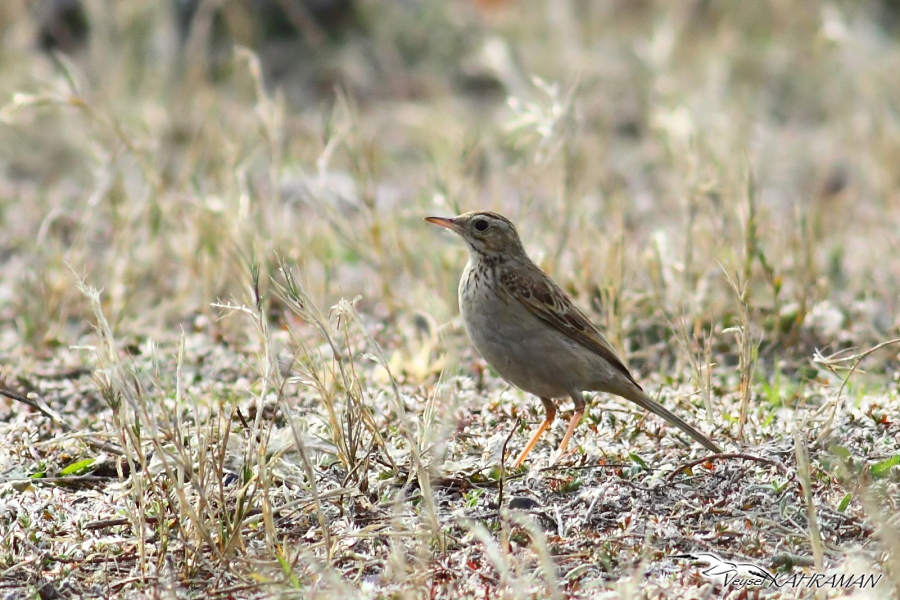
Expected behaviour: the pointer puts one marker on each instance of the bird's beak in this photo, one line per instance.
(448, 223)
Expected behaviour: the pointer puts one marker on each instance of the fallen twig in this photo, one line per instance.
(728, 456)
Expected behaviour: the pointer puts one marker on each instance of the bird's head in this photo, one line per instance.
(484, 232)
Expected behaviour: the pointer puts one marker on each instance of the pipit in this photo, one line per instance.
(529, 330)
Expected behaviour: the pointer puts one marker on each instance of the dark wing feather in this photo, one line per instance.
(537, 292)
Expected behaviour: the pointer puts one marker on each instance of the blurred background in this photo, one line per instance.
(645, 149)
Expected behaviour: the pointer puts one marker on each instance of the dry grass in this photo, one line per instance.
(229, 341)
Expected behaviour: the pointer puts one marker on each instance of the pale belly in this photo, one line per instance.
(522, 349)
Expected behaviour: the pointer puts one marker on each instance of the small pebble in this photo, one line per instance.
(523, 503)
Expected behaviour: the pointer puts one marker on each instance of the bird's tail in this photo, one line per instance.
(645, 401)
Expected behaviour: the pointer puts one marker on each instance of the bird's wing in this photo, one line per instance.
(537, 292)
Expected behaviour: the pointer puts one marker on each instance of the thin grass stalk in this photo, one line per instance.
(421, 469)
(804, 473)
(542, 549)
(747, 350)
(299, 302)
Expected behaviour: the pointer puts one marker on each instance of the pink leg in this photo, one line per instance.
(550, 409)
(573, 423)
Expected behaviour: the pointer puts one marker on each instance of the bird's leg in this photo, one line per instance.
(578, 399)
(550, 409)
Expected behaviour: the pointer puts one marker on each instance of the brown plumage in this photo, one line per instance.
(531, 332)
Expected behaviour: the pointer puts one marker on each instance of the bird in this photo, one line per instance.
(529, 330)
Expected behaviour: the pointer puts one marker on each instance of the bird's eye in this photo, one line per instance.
(481, 224)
